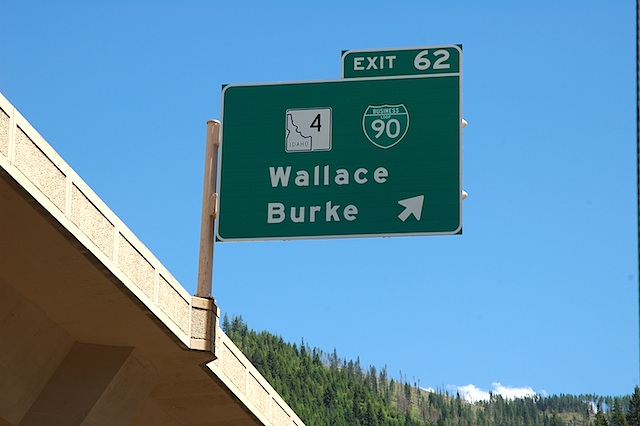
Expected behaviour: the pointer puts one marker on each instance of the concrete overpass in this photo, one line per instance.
(93, 329)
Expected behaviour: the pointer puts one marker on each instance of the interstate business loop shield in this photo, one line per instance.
(385, 125)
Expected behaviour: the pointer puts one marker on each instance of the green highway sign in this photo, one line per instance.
(358, 157)
(397, 62)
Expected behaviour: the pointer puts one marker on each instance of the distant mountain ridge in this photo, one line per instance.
(324, 389)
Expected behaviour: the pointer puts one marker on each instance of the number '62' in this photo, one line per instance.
(422, 62)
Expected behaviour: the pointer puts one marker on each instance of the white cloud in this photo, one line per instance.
(511, 393)
(472, 393)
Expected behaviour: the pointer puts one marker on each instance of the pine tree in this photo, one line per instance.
(617, 415)
(633, 414)
(555, 421)
(324, 390)
(600, 419)
(226, 325)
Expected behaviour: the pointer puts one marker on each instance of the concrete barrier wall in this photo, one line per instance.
(34, 164)
(235, 370)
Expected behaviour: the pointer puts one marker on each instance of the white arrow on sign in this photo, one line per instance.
(412, 206)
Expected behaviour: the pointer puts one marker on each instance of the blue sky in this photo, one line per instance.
(541, 290)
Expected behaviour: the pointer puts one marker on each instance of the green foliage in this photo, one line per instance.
(324, 389)
(618, 418)
(633, 413)
(600, 418)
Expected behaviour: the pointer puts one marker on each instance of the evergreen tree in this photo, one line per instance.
(617, 415)
(326, 390)
(555, 420)
(633, 413)
(226, 325)
(600, 419)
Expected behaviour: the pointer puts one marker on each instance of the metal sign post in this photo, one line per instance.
(209, 210)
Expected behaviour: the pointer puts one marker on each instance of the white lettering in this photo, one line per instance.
(374, 62)
(380, 175)
(275, 212)
(302, 178)
(279, 176)
(358, 176)
(390, 60)
(312, 212)
(350, 212)
(324, 176)
(342, 177)
(332, 212)
(300, 217)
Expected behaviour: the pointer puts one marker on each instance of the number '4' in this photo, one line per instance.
(316, 123)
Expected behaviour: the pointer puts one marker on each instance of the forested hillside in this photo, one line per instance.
(324, 389)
